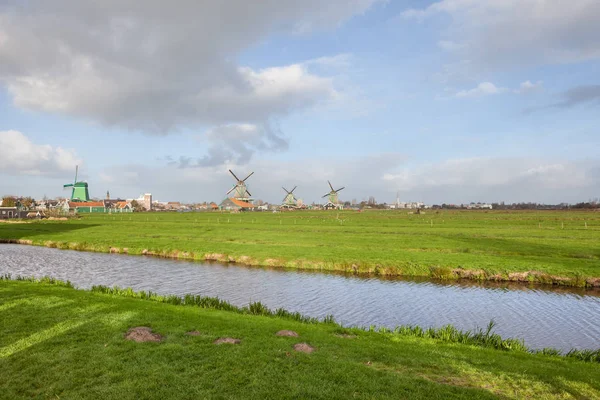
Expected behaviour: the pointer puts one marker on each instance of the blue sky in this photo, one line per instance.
(439, 101)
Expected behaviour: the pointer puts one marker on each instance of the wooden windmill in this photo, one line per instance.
(79, 189)
(333, 198)
(240, 191)
(289, 201)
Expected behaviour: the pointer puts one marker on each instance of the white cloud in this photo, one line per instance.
(155, 66)
(528, 87)
(449, 45)
(483, 89)
(498, 179)
(500, 33)
(382, 176)
(20, 156)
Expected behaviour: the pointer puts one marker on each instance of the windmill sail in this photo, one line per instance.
(333, 200)
(240, 190)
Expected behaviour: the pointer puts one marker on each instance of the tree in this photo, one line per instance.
(27, 202)
(9, 201)
(137, 207)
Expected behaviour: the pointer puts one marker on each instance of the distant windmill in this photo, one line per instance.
(241, 191)
(333, 197)
(79, 189)
(289, 200)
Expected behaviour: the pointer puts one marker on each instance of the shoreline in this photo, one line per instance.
(479, 337)
(439, 273)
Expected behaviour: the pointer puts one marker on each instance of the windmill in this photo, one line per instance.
(290, 201)
(241, 191)
(333, 197)
(79, 189)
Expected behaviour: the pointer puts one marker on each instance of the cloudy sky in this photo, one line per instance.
(437, 101)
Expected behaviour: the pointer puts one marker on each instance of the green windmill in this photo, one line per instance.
(80, 189)
(241, 191)
(289, 200)
(333, 197)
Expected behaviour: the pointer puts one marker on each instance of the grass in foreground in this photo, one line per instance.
(558, 247)
(57, 342)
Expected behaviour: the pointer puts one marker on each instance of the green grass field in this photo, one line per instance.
(445, 244)
(61, 343)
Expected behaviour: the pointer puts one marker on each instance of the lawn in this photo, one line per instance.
(540, 246)
(58, 342)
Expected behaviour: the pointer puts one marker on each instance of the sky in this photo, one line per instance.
(447, 101)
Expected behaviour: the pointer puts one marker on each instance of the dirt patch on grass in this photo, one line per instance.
(142, 334)
(273, 262)
(216, 257)
(193, 333)
(519, 276)
(594, 282)
(227, 340)
(304, 348)
(287, 333)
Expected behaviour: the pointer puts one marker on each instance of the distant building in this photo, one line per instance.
(173, 205)
(478, 206)
(13, 212)
(145, 200)
(232, 204)
(8, 212)
(87, 207)
(36, 214)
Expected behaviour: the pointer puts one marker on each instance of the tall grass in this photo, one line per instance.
(46, 279)
(254, 308)
(479, 337)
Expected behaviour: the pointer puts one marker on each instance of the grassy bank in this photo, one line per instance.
(556, 247)
(57, 342)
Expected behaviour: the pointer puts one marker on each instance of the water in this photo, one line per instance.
(542, 317)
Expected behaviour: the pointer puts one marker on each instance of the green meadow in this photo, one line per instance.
(61, 343)
(559, 247)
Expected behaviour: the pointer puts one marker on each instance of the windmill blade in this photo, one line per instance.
(332, 189)
(76, 172)
(251, 173)
(343, 187)
(285, 190)
(325, 195)
(249, 194)
(231, 190)
(293, 189)
(236, 178)
(68, 185)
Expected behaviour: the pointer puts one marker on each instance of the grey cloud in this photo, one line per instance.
(154, 66)
(580, 95)
(235, 143)
(588, 94)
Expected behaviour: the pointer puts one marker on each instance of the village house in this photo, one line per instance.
(231, 204)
